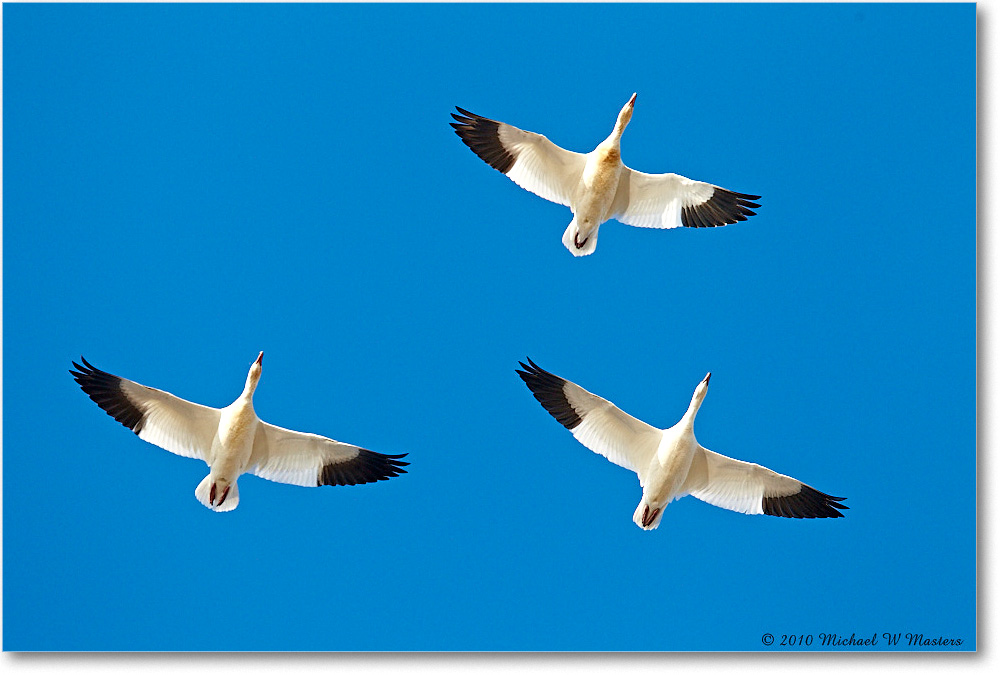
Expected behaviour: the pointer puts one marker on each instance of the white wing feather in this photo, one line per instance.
(655, 200)
(733, 484)
(609, 431)
(541, 166)
(178, 426)
(294, 457)
(597, 423)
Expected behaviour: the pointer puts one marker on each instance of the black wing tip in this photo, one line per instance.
(808, 502)
(367, 467)
(464, 115)
(482, 136)
(464, 118)
(724, 207)
(85, 369)
(549, 390)
(105, 390)
(531, 372)
(467, 118)
(87, 374)
(530, 369)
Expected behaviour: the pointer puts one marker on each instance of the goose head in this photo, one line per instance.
(253, 377)
(699, 396)
(625, 116)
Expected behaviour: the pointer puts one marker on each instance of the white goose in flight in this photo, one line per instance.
(670, 462)
(232, 440)
(597, 186)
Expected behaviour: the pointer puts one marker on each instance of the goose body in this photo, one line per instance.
(670, 462)
(232, 440)
(597, 186)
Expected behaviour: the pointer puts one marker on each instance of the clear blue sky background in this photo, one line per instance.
(187, 185)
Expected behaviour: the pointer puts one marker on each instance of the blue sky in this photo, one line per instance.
(187, 185)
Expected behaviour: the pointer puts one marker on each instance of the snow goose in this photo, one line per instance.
(597, 186)
(232, 440)
(670, 462)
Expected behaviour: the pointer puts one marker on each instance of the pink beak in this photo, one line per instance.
(260, 359)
